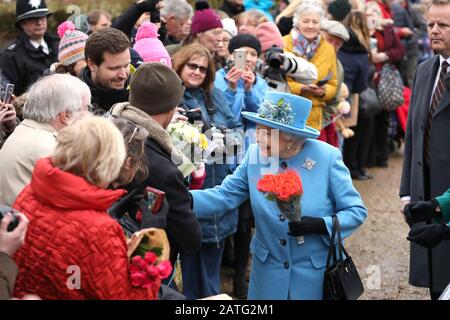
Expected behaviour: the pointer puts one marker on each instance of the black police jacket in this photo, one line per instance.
(22, 64)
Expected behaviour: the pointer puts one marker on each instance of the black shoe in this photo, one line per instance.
(382, 164)
(359, 176)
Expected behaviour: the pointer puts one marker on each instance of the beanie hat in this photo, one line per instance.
(269, 35)
(336, 29)
(149, 47)
(204, 18)
(72, 44)
(155, 88)
(339, 9)
(244, 40)
(230, 26)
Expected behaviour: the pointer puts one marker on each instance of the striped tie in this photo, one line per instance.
(440, 88)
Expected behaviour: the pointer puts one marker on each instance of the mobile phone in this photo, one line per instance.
(154, 199)
(239, 56)
(9, 90)
(14, 222)
(324, 81)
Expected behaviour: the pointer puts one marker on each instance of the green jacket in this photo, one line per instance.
(444, 204)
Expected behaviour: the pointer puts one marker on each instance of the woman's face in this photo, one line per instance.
(275, 143)
(247, 25)
(309, 25)
(210, 39)
(222, 47)
(194, 71)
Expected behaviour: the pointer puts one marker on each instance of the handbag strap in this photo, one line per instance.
(340, 246)
(332, 249)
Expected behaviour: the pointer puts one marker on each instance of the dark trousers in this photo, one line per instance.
(201, 272)
(379, 151)
(356, 148)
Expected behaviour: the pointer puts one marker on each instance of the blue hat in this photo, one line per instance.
(286, 112)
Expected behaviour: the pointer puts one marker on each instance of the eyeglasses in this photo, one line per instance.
(194, 67)
(134, 132)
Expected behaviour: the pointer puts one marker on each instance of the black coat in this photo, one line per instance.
(183, 230)
(22, 64)
(412, 182)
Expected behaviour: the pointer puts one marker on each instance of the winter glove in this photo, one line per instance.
(307, 225)
(157, 220)
(421, 211)
(429, 235)
(125, 204)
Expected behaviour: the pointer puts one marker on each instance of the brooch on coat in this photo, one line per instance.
(308, 164)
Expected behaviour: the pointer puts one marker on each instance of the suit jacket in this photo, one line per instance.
(412, 182)
(281, 268)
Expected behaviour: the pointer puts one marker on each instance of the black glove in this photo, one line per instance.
(429, 235)
(151, 220)
(125, 204)
(421, 211)
(307, 225)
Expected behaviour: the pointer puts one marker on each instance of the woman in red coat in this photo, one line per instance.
(73, 248)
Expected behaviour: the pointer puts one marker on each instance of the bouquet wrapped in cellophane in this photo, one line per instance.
(286, 189)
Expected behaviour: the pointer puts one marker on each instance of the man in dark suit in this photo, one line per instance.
(426, 166)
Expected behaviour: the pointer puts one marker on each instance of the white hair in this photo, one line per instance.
(308, 6)
(53, 94)
(180, 9)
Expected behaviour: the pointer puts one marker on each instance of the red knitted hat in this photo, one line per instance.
(204, 18)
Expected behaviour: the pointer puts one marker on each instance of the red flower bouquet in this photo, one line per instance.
(286, 189)
(145, 271)
(149, 252)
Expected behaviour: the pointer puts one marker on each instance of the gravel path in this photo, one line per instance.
(379, 248)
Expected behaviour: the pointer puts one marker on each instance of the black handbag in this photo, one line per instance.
(369, 105)
(341, 279)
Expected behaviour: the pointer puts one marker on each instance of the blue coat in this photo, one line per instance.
(217, 227)
(281, 268)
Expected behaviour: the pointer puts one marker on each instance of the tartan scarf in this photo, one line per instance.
(302, 46)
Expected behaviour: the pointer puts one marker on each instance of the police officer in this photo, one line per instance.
(34, 49)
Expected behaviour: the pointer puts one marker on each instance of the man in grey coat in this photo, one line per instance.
(426, 166)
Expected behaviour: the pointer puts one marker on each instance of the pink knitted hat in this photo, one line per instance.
(204, 18)
(149, 47)
(72, 44)
(269, 35)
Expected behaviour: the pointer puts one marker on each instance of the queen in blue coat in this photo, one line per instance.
(281, 267)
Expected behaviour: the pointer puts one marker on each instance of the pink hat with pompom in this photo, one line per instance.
(72, 44)
(149, 47)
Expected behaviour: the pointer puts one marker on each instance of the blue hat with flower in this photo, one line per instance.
(286, 112)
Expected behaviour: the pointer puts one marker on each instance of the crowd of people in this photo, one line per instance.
(273, 86)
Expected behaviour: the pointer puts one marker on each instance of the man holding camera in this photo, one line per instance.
(34, 50)
(277, 64)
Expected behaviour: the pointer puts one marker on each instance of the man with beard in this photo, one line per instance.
(108, 68)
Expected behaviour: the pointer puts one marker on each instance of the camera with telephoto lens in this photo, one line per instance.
(275, 57)
(14, 220)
